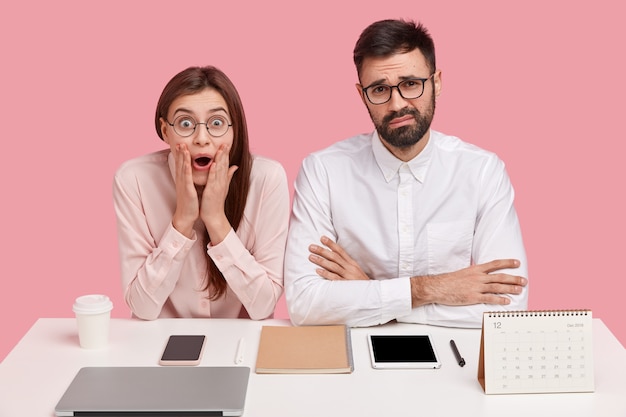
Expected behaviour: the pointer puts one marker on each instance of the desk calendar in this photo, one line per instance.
(523, 352)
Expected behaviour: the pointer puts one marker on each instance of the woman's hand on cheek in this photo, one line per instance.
(214, 195)
(187, 204)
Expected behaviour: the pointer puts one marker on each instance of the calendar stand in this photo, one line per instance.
(524, 352)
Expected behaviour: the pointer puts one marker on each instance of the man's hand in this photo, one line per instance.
(476, 284)
(472, 285)
(334, 262)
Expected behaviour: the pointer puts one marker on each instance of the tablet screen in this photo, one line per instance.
(406, 351)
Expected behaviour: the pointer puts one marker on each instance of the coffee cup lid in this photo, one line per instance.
(92, 304)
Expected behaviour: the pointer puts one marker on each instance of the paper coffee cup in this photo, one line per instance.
(93, 314)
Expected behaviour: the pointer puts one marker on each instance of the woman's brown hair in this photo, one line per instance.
(194, 80)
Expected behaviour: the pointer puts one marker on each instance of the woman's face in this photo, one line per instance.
(205, 109)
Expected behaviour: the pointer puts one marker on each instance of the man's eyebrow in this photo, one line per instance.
(377, 82)
(381, 81)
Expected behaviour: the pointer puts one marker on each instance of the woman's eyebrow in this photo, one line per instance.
(188, 111)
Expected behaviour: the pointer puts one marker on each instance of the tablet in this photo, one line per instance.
(402, 351)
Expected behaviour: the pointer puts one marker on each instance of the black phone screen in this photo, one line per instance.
(183, 348)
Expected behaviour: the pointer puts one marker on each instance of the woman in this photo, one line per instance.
(202, 225)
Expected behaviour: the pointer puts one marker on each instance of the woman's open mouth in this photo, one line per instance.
(202, 163)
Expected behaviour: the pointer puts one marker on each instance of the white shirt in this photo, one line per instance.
(446, 209)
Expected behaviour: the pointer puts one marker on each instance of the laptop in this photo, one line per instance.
(156, 391)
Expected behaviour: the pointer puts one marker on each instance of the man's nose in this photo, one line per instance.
(396, 101)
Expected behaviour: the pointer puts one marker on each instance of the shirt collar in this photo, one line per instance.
(390, 165)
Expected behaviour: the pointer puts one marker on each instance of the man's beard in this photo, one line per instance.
(406, 136)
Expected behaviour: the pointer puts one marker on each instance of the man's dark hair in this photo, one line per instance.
(388, 37)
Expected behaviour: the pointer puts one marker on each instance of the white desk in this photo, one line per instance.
(38, 370)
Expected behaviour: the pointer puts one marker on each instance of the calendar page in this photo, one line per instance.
(536, 352)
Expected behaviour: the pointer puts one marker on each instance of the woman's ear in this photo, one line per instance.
(164, 126)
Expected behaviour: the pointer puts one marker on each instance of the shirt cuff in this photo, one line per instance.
(225, 252)
(175, 244)
(395, 295)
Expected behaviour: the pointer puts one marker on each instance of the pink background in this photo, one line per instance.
(541, 83)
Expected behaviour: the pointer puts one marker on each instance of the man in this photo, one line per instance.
(414, 225)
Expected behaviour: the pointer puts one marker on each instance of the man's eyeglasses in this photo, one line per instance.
(185, 125)
(411, 88)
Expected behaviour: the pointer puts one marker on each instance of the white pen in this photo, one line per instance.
(240, 349)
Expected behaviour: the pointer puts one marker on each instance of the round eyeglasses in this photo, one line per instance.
(409, 89)
(185, 125)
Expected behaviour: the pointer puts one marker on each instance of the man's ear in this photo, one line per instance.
(438, 82)
(359, 88)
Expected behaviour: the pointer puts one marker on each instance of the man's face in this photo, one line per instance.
(401, 123)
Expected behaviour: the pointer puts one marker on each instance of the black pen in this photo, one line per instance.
(457, 355)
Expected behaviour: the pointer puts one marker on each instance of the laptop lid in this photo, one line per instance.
(156, 391)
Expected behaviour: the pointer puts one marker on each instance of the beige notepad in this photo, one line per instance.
(305, 350)
(524, 352)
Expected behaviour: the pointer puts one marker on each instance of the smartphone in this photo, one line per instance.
(402, 351)
(183, 350)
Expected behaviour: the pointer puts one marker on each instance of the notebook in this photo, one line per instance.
(305, 350)
(158, 391)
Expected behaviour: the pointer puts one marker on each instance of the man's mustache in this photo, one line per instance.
(401, 113)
